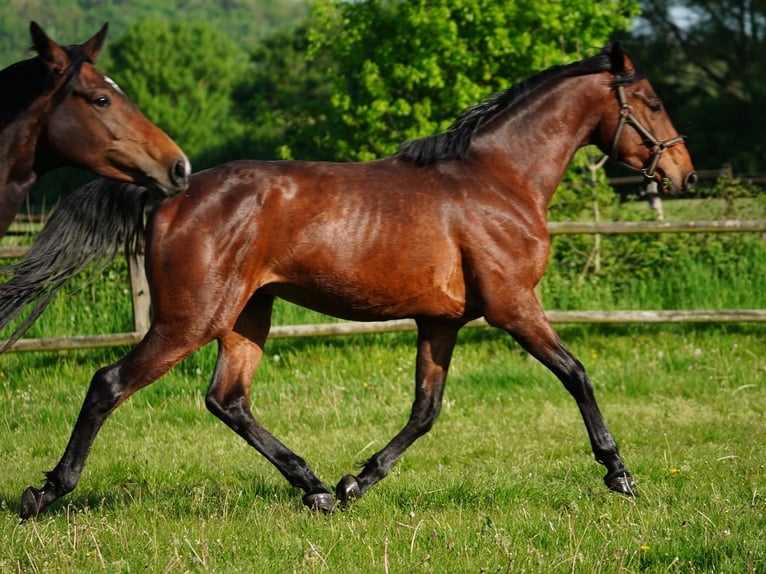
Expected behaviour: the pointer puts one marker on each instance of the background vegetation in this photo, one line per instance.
(352, 80)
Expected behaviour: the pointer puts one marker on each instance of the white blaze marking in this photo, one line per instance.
(114, 85)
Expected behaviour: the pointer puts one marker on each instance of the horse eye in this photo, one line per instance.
(656, 108)
(102, 102)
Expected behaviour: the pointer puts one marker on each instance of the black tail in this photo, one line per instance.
(90, 227)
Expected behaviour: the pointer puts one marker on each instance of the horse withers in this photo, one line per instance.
(449, 229)
(58, 109)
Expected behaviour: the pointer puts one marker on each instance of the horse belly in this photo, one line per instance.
(377, 291)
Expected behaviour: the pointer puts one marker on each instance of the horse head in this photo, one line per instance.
(637, 131)
(92, 124)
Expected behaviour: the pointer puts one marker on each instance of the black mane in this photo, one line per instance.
(24, 82)
(20, 85)
(455, 142)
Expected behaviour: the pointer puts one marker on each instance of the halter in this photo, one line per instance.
(656, 147)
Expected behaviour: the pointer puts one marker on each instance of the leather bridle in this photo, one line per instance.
(656, 146)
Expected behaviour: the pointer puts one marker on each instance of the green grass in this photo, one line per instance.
(505, 482)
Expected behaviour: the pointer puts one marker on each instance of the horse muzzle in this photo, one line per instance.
(171, 182)
(690, 180)
(179, 174)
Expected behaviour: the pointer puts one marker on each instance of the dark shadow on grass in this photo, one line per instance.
(180, 499)
(46, 359)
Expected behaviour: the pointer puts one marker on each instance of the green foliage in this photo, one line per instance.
(586, 188)
(504, 482)
(281, 99)
(665, 271)
(731, 188)
(73, 21)
(402, 70)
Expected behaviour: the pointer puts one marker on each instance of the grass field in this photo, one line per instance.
(505, 482)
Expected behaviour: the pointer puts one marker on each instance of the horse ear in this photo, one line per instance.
(93, 46)
(617, 57)
(51, 53)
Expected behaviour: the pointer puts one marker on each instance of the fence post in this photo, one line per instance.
(595, 254)
(139, 289)
(652, 195)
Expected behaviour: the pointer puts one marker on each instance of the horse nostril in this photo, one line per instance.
(179, 173)
(691, 180)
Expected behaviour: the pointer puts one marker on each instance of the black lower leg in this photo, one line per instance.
(539, 339)
(604, 447)
(617, 478)
(101, 399)
(435, 345)
(237, 415)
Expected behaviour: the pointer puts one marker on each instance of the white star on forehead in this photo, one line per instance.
(114, 85)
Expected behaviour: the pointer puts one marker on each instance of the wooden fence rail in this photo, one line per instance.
(140, 295)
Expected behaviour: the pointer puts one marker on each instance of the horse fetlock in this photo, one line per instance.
(61, 481)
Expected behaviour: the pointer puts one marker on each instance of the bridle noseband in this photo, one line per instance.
(656, 147)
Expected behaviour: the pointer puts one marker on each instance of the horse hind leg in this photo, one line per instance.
(228, 398)
(435, 346)
(109, 387)
(531, 328)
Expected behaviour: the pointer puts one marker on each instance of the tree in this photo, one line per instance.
(405, 69)
(182, 77)
(246, 21)
(708, 60)
(281, 100)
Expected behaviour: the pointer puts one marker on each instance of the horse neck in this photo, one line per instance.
(19, 143)
(536, 140)
(27, 97)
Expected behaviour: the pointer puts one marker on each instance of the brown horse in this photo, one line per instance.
(57, 109)
(451, 228)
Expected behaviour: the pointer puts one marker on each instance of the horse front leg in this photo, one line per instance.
(435, 346)
(531, 328)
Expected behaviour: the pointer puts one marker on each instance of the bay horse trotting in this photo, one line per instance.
(58, 109)
(449, 229)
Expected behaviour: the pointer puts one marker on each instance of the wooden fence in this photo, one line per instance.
(141, 303)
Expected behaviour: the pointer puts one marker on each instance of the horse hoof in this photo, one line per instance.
(348, 490)
(622, 482)
(31, 503)
(319, 501)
